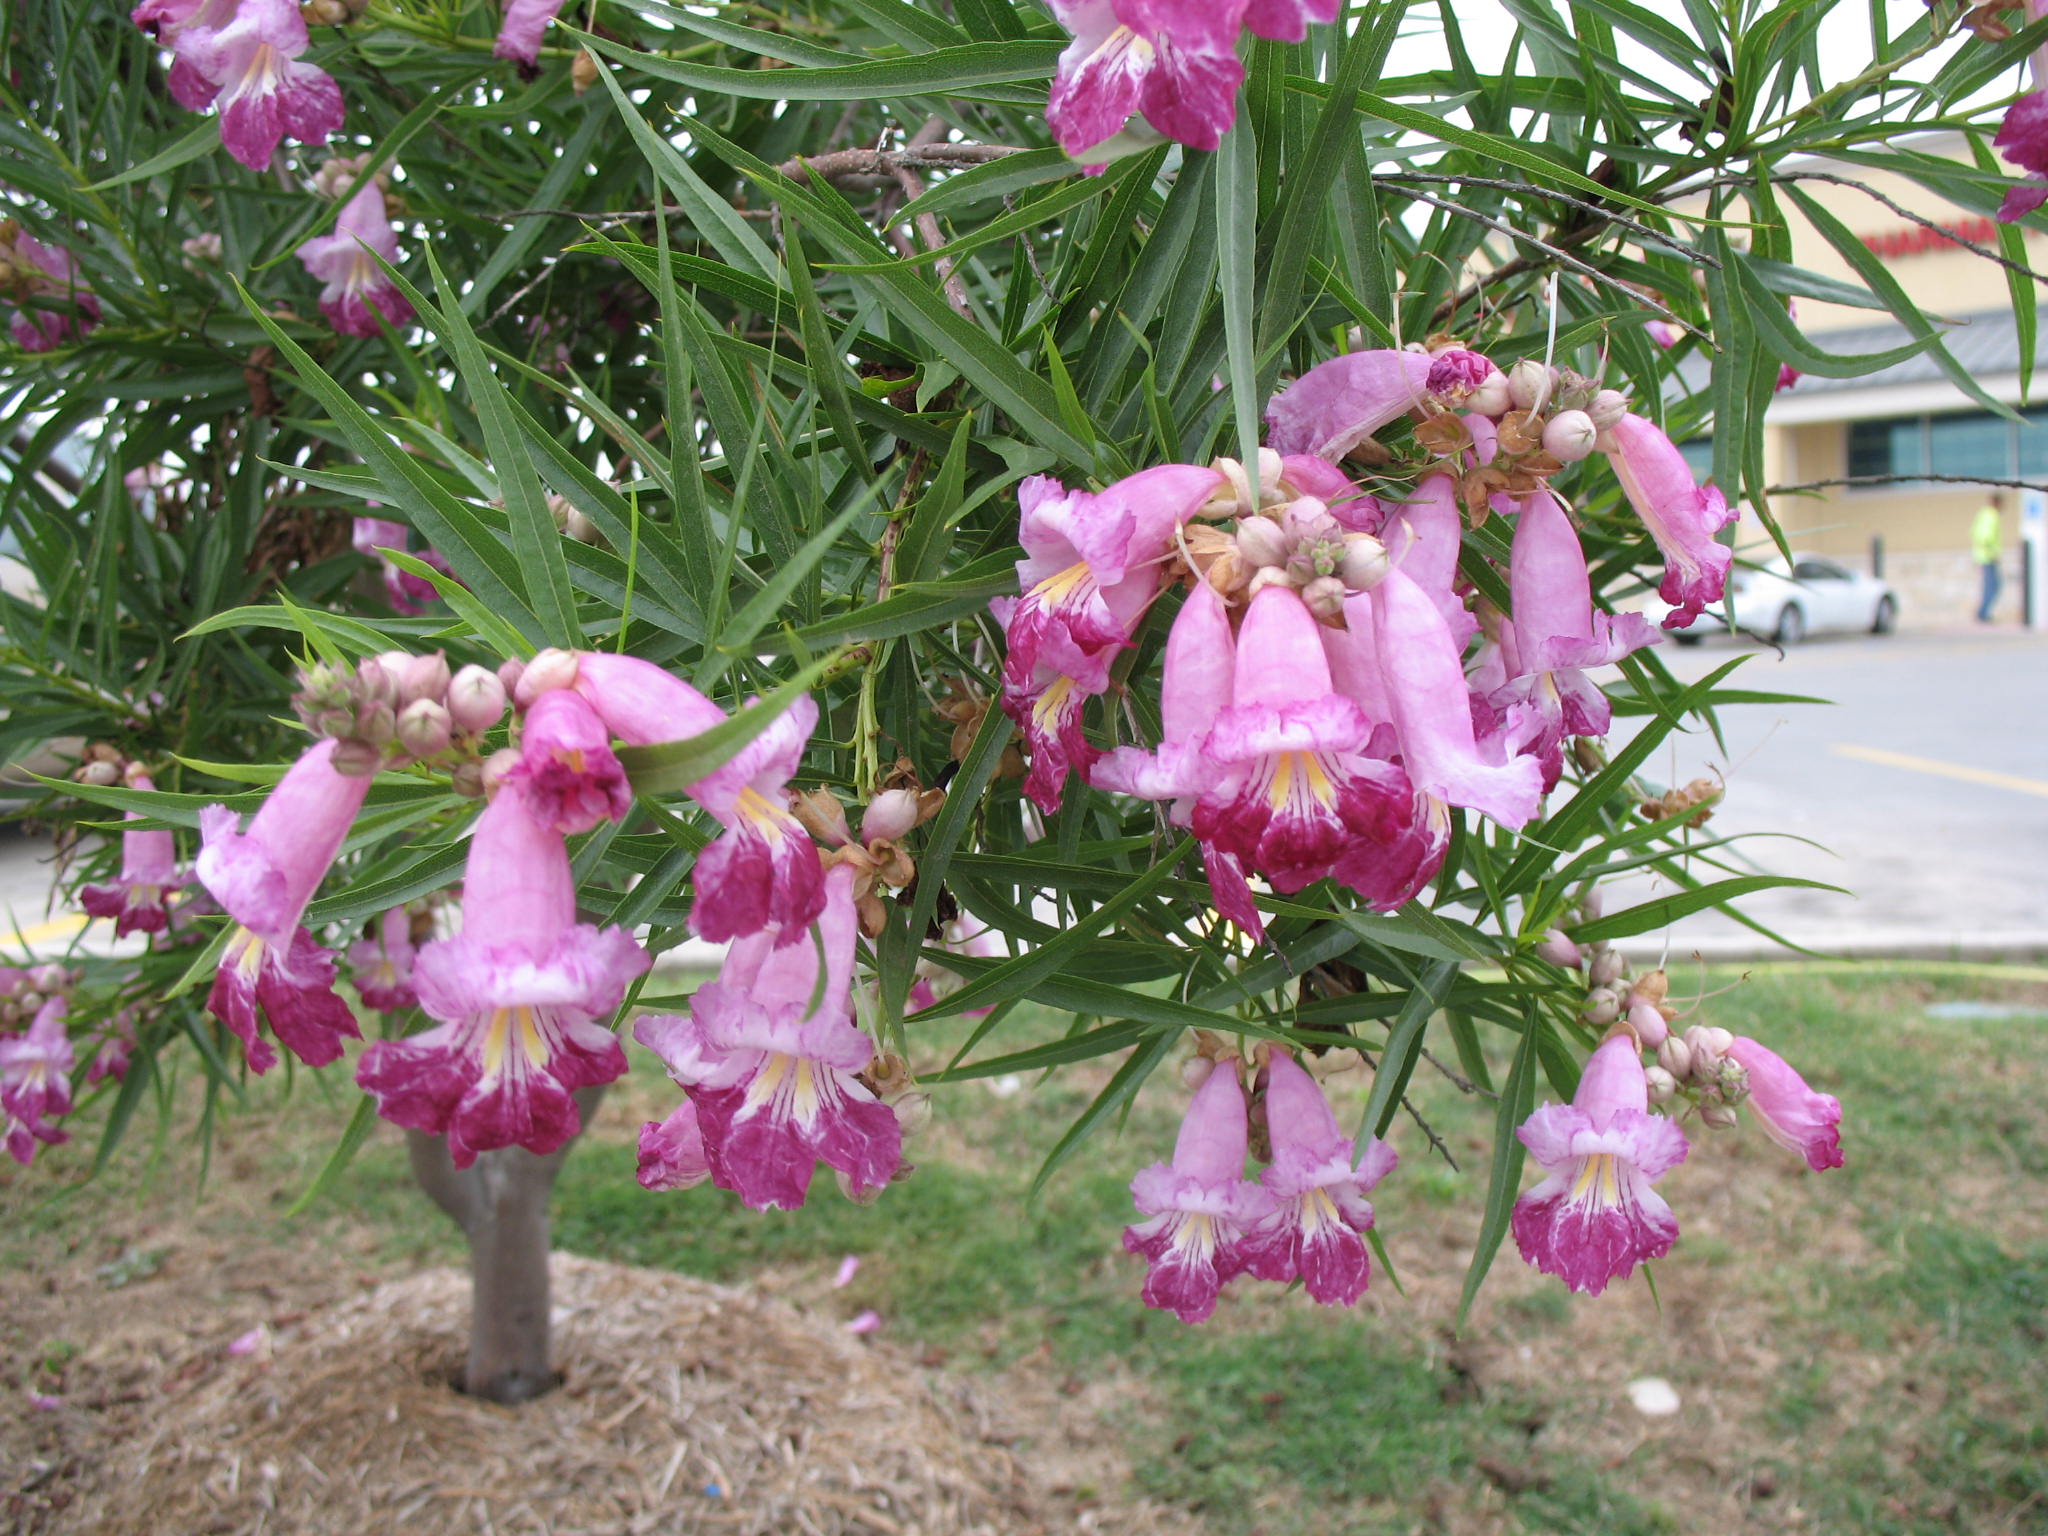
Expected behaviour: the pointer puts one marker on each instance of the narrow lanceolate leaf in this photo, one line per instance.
(1237, 205)
(1404, 1045)
(1669, 909)
(1504, 1179)
(962, 71)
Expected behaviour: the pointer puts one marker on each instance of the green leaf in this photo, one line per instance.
(1668, 909)
(942, 72)
(671, 766)
(353, 1135)
(1517, 1099)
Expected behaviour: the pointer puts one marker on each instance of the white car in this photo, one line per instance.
(1786, 603)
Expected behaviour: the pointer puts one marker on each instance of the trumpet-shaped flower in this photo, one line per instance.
(1337, 405)
(763, 872)
(769, 1055)
(566, 765)
(1092, 564)
(1682, 517)
(1200, 1206)
(1792, 1114)
(671, 1151)
(519, 33)
(263, 878)
(518, 994)
(1319, 1214)
(149, 871)
(1595, 1217)
(1291, 795)
(1174, 61)
(262, 91)
(35, 1086)
(381, 963)
(358, 288)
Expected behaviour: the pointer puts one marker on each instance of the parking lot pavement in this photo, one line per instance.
(1924, 783)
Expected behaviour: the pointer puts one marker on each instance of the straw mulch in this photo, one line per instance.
(685, 1407)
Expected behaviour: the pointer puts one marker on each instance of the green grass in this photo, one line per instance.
(1871, 1340)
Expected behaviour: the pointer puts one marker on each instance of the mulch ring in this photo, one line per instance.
(685, 1407)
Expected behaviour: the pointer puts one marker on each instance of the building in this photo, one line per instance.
(1910, 419)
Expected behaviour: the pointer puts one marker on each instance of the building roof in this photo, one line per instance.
(1986, 344)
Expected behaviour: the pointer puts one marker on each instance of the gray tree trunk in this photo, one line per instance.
(501, 1203)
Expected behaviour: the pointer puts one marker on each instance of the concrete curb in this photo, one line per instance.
(2018, 946)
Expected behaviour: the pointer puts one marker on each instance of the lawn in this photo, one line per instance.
(1856, 1351)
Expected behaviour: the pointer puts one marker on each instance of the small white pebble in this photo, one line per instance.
(1654, 1397)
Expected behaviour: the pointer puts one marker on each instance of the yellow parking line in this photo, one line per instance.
(1968, 775)
(42, 933)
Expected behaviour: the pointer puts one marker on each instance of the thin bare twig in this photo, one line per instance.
(1911, 217)
(1852, 480)
(1499, 184)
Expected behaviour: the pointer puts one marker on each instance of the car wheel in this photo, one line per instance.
(1791, 627)
(1886, 619)
(1686, 639)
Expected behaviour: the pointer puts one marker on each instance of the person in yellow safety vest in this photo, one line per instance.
(1987, 544)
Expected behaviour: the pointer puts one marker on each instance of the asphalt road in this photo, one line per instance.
(1924, 783)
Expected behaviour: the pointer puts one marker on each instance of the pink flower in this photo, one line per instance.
(1425, 687)
(1291, 793)
(53, 305)
(769, 1055)
(1681, 516)
(1792, 1114)
(168, 21)
(1555, 636)
(263, 878)
(1174, 61)
(1093, 562)
(965, 935)
(1337, 405)
(1200, 1204)
(408, 594)
(566, 766)
(764, 869)
(517, 993)
(671, 1152)
(263, 92)
(35, 1086)
(519, 34)
(358, 289)
(149, 869)
(111, 1047)
(1596, 1217)
(1423, 536)
(1319, 1213)
(381, 964)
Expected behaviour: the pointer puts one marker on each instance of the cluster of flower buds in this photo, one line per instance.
(332, 13)
(878, 857)
(1697, 1065)
(50, 305)
(1289, 538)
(1516, 429)
(25, 988)
(395, 709)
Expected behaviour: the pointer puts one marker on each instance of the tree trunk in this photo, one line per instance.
(501, 1203)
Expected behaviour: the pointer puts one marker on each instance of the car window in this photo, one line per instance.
(1810, 569)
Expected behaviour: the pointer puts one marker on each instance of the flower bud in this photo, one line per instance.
(467, 779)
(1365, 563)
(1324, 597)
(1233, 495)
(1607, 409)
(324, 13)
(1491, 397)
(498, 767)
(821, 815)
(425, 677)
(1569, 435)
(1602, 1007)
(334, 722)
(1731, 1081)
(1263, 577)
(376, 724)
(1648, 1024)
(890, 815)
(1529, 384)
(583, 71)
(1663, 1086)
(913, 1112)
(375, 681)
(1651, 988)
(424, 729)
(510, 671)
(204, 247)
(1709, 1044)
(1719, 1117)
(1556, 947)
(1195, 1071)
(356, 758)
(1590, 905)
(550, 670)
(50, 979)
(1675, 1057)
(1608, 967)
(1261, 541)
(102, 774)
(476, 700)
